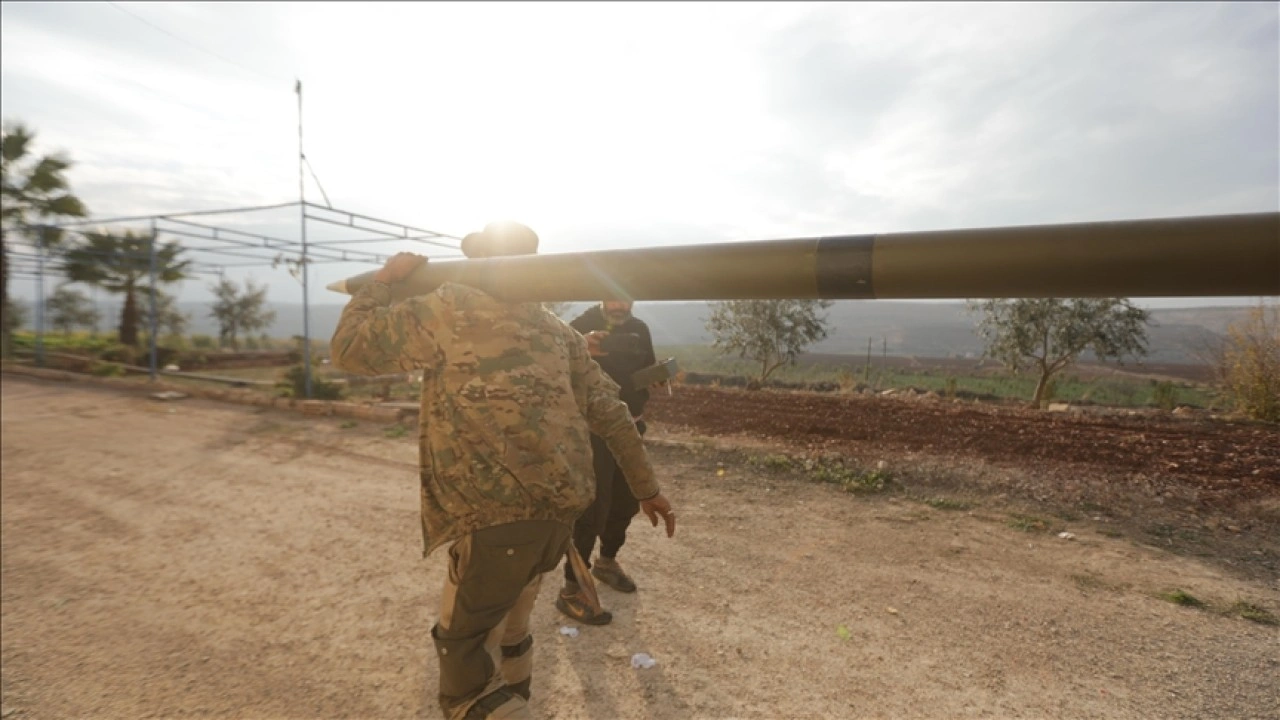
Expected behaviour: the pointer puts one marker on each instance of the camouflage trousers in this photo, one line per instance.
(482, 637)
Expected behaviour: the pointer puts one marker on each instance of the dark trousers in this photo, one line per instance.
(482, 638)
(610, 514)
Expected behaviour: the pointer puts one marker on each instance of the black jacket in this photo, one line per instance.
(619, 366)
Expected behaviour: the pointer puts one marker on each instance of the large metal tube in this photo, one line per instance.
(1226, 255)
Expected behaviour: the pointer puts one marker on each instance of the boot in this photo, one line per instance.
(608, 571)
(571, 602)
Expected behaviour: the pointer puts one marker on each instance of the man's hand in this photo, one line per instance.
(399, 267)
(593, 342)
(659, 505)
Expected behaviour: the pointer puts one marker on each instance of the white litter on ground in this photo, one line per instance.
(569, 631)
(642, 660)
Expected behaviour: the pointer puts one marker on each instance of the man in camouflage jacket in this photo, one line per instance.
(510, 397)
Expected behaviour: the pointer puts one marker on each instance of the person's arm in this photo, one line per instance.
(646, 339)
(608, 417)
(374, 338)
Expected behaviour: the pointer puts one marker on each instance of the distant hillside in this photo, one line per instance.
(902, 328)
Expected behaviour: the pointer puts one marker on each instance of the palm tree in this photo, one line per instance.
(32, 191)
(120, 264)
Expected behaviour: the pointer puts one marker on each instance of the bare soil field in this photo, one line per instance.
(191, 559)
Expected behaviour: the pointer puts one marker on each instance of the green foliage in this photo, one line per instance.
(202, 342)
(1251, 363)
(118, 353)
(80, 343)
(168, 318)
(240, 311)
(770, 332)
(1028, 523)
(347, 424)
(121, 264)
(1049, 334)
(851, 479)
(395, 431)
(1253, 613)
(69, 310)
(1163, 395)
(33, 190)
(1115, 391)
(940, 503)
(108, 369)
(16, 313)
(295, 384)
(773, 463)
(1184, 598)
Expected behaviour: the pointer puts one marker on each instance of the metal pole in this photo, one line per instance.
(866, 373)
(155, 316)
(40, 296)
(302, 224)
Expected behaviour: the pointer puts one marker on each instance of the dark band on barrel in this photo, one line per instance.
(844, 267)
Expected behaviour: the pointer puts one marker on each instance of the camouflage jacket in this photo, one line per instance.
(510, 396)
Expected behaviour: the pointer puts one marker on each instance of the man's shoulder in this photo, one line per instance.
(635, 324)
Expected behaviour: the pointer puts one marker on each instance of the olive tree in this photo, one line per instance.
(72, 309)
(240, 311)
(1047, 335)
(770, 332)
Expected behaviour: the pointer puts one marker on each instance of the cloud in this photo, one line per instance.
(614, 125)
(1028, 113)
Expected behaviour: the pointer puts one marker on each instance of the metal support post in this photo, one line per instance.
(302, 225)
(155, 315)
(40, 238)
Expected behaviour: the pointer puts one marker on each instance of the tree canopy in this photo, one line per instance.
(1049, 334)
(240, 311)
(770, 332)
(121, 264)
(33, 190)
(71, 309)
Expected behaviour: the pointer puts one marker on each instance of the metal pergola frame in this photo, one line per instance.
(252, 250)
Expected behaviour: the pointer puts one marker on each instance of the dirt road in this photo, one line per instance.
(191, 559)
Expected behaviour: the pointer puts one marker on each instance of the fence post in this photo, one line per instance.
(40, 241)
(155, 316)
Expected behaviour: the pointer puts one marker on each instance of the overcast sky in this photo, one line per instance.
(620, 125)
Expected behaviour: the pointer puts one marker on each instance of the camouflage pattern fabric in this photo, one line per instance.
(510, 397)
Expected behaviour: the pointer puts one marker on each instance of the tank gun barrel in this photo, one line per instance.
(1225, 255)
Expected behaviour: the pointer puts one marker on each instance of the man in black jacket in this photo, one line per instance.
(620, 343)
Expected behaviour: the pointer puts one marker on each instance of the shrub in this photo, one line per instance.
(203, 342)
(108, 369)
(124, 354)
(295, 382)
(1164, 396)
(1251, 363)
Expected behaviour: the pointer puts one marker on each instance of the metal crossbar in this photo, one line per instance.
(230, 242)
